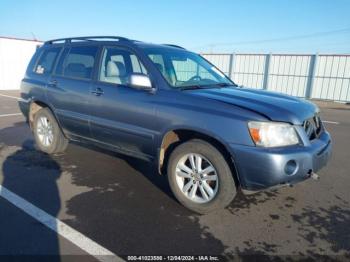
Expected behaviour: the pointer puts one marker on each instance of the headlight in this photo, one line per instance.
(272, 134)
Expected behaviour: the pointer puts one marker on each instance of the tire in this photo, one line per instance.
(57, 142)
(223, 188)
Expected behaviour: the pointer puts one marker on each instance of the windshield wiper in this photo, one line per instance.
(193, 87)
(225, 84)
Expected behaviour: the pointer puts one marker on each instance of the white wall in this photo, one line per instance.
(323, 76)
(15, 55)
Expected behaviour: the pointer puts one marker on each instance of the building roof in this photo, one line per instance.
(20, 39)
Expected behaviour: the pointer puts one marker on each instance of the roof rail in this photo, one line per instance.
(177, 46)
(86, 38)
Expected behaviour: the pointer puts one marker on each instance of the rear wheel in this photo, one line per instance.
(200, 177)
(47, 133)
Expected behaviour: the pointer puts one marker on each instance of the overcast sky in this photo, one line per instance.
(293, 26)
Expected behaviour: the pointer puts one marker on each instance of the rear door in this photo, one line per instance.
(69, 88)
(121, 116)
(38, 73)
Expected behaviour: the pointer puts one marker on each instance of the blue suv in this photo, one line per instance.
(170, 106)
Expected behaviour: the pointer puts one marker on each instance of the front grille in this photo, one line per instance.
(313, 127)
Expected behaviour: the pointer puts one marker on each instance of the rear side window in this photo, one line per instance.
(46, 61)
(78, 62)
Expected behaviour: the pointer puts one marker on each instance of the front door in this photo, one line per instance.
(121, 116)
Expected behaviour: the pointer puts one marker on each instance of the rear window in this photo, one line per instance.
(78, 62)
(46, 61)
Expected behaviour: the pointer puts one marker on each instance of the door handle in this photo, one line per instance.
(97, 92)
(52, 83)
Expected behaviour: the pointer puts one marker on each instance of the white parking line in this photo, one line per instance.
(14, 97)
(15, 114)
(59, 227)
(330, 122)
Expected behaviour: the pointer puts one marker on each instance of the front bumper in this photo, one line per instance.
(260, 168)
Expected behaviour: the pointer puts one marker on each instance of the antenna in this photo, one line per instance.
(34, 37)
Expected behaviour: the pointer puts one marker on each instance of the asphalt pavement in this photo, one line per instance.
(120, 204)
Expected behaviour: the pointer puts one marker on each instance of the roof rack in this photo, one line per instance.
(86, 38)
(177, 46)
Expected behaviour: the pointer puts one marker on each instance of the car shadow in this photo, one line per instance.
(32, 175)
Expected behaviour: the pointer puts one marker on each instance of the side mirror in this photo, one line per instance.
(140, 81)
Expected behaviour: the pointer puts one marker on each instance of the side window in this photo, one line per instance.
(137, 66)
(118, 64)
(78, 63)
(59, 67)
(47, 61)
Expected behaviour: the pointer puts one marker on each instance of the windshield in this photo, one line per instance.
(183, 69)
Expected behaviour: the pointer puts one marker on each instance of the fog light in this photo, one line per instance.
(291, 167)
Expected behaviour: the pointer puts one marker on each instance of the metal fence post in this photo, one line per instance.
(311, 76)
(267, 71)
(231, 65)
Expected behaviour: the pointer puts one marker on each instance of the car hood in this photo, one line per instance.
(275, 106)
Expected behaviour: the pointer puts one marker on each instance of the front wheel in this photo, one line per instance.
(200, 177)
(47, 133)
